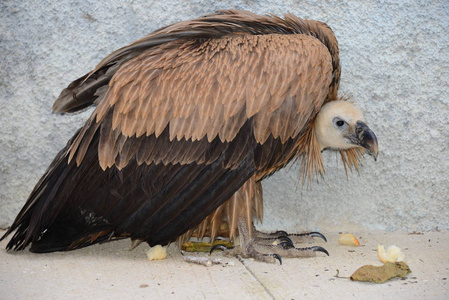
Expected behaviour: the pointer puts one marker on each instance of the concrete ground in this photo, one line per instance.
(110, 271)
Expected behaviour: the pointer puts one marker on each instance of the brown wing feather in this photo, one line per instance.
(290, 61)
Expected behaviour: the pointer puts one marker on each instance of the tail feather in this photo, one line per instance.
(47, 220)
(27, 221)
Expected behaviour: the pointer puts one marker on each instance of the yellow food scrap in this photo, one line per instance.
(392, 254)
(156, 253)
(348, 239)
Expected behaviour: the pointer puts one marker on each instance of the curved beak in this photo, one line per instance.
(366, 138)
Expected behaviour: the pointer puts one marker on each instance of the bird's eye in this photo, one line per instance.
(340, 123)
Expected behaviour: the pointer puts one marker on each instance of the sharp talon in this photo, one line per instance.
(278, 258)
(287, 245)
(281, 233)
(317, 234)
(219, 246)
(319, 249)
(285, 239)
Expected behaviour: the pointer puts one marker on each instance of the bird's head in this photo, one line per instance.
(340, 125)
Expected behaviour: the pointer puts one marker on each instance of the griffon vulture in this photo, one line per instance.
(188, 121)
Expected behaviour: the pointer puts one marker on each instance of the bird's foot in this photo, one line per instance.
(270, 253)
(272, 246)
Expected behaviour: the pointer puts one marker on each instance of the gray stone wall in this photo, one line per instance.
(395, 59)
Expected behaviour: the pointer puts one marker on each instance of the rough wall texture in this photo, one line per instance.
(395, 60)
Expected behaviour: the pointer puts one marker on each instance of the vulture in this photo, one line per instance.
(187, 123)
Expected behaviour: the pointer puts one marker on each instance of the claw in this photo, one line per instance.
(312, 234)
(277, 256)
(286, 245)
(319, 249)
(219, 246)
(285, 239)
(317, 234)
(281, 233)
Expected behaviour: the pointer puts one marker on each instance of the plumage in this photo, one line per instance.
(189, 120)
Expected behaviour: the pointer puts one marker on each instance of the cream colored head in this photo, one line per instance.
(340, 125)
